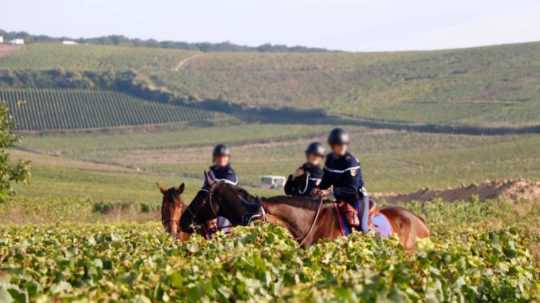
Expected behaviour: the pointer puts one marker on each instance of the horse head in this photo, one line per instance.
(203, 207)
(216, 198)
(172, 208)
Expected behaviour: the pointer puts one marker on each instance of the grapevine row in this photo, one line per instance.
(47, 109)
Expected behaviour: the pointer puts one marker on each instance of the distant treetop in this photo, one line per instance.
(126, 41)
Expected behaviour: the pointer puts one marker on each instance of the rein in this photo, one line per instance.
(206, 201)
(195, 214)
(315, 219)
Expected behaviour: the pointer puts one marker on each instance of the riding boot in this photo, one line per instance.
(362, 208)
(350, 213)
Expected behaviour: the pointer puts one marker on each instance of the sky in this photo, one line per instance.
(352, 25)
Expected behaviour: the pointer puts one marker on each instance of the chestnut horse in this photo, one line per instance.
(172, 208)
(306, 219)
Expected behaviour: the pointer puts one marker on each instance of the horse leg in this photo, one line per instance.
(182, 236)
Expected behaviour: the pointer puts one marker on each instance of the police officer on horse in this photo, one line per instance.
(342, 172)
(221, 167)
(221, 171)
(308, 176)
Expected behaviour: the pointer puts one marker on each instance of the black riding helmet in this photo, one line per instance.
(338, 136)
(221, 150)
(315, 148)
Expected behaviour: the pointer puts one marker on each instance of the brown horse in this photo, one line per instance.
(306, 219)
(172, 208)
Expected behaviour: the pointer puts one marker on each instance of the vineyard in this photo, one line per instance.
(35, 109)
(469, 259)
(484, 87)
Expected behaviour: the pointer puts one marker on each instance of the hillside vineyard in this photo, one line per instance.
(46, 109)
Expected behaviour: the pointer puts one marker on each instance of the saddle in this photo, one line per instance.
(253, 208)
(376, 221)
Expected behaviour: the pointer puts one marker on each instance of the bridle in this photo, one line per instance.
(315, 219)
(210, 201)
(167, 220)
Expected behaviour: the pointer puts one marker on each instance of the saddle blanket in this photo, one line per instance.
(379, 223)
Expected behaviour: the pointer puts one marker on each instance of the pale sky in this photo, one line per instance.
(354, 25)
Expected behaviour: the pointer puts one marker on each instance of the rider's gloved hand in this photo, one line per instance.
(299, 172)
(321, 192)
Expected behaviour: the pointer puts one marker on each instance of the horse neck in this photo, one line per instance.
(295, 219)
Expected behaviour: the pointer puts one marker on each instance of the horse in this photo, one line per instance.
(172, 208)
(307, 220)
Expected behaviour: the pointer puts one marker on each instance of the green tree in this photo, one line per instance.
(10, 171)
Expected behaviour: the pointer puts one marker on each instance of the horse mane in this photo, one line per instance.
(300, 202)
(238, 190)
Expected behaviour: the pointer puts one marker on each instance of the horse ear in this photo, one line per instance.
(161, 189)
(181, 188)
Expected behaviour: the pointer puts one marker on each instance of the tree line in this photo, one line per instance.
(121, 40)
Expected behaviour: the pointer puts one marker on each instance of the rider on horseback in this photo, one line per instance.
(221, 168)
(342, 171)
(222, 172)
(308, 176)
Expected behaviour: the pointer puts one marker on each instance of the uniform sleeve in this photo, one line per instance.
(353, 181)
(317, 174)
(326, 181)
(289, 191)
(231, 176)
(205, 184)
(314, 179)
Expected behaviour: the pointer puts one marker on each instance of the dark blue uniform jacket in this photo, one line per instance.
(345, 175)
(304, 185)
(223, 174)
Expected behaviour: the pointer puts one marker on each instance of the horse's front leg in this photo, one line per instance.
(183, 236)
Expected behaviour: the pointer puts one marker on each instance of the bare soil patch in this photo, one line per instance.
(6, 49)
(510, 190)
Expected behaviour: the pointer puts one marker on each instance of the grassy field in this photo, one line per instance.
(75, 173)
(77, 145)
(392, 161)
(63, 190)
(92, 58)
(484, 86)
(488, 86)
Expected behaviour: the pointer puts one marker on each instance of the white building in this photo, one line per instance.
(17, 41)
(273, 181)
(69, 42)
(1, 39)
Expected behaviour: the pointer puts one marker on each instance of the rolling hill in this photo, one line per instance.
(487, 87)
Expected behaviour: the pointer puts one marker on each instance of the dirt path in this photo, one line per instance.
(509, 190)
(185, 61)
